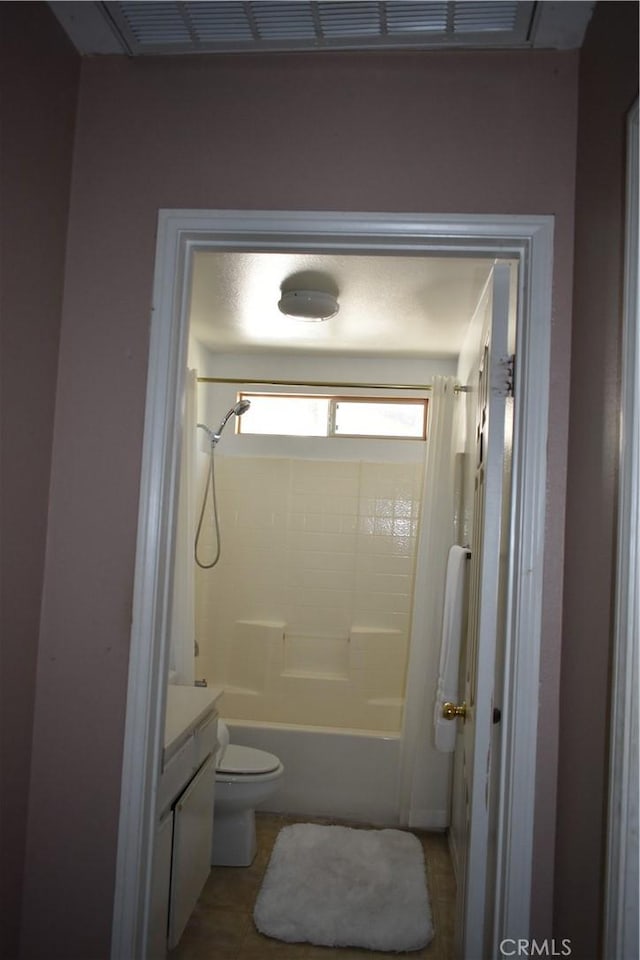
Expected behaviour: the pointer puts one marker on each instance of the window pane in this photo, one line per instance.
(377, 419)
(298, 416)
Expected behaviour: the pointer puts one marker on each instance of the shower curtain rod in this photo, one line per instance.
(324, 383)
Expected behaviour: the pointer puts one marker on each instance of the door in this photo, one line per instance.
(477, 752)
(192, 835)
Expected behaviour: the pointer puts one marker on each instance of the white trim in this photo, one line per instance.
(524, 615)
(148, 659)
(621, 897)
(527, 238)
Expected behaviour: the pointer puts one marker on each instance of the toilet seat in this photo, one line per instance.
(238, 761)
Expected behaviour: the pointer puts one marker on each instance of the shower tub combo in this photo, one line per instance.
(342, 760)
(305, 624)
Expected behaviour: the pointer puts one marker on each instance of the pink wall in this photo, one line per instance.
(608, 87)
(40, 75)
(413, 132)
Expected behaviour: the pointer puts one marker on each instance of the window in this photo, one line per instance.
(303, 415)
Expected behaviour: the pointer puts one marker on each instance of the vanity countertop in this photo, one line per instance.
(186, 707)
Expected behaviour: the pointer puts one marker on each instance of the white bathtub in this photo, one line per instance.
(347, 774)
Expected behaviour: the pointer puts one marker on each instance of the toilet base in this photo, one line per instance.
(234, 838)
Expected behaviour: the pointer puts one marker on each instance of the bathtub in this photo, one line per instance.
(346, 774)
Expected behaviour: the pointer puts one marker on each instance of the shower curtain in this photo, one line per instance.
(421, 766)
(183, 620)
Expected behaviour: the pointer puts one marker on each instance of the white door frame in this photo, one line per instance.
(180, 233)
(621, 893)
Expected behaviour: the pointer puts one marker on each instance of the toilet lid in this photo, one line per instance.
(248, 760)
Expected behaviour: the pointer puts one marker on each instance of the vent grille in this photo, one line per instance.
(217, 22)
(155, 23)
(340, 20)
(478, 17)
(235, 26)
(417, 18)
(272, 23)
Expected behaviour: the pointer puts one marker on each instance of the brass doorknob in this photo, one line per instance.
(451, 711)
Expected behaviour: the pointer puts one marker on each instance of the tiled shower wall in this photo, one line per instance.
(306, 617)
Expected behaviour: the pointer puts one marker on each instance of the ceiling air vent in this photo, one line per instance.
(417, 18)
(275, 21)
(155, 24)
(339, 20)
(231, 26)
(478, 17)
(218, 22)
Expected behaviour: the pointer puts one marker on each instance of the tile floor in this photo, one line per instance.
(221, 927)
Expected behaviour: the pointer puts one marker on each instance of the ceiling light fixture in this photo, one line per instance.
(309, 305)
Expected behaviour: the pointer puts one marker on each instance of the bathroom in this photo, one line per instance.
(309, 617)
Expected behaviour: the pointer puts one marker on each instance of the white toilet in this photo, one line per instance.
(245, 777)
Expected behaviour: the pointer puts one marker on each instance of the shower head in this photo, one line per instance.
(240, 407)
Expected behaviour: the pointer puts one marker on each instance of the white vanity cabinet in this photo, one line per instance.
(182, 848)
(191, 856)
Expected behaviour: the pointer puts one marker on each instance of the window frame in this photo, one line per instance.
(333, 400)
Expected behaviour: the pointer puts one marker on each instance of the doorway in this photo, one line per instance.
(180, 234)
(310, 621)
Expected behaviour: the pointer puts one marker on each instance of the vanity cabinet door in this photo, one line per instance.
(159, 909)
(192, 834)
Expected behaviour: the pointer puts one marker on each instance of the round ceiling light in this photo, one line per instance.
(309, 305)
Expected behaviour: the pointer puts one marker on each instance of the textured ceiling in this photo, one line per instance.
(400, 306)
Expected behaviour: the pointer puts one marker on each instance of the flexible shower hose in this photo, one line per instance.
(211, 482)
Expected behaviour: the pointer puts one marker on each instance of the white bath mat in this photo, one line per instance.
(345, 887)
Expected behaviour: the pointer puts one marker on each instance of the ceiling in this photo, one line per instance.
(392, 306)
(231, 26)
(397, 306)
